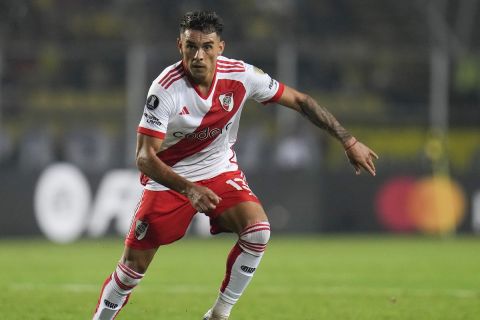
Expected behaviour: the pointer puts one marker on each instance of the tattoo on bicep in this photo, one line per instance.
(322, 118)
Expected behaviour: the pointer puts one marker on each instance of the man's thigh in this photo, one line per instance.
(239, 206)
(162, 217)
(239, 217)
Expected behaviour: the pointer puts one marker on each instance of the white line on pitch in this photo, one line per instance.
(186, 288)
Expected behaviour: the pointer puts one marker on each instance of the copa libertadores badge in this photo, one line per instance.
(152, 102)
(140, 229)
(226, 100)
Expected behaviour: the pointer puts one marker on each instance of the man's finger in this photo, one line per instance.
(373, 154)
(214, 198)
(371, 164)
(358, 170)
(367, 167)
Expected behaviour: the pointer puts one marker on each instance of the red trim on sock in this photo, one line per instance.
(257, 248)
(109, 278)
(129, 272)
(253, 245)
(254, 230)
(232, 257)
(123, 305)
(120, 283)
(248, 229)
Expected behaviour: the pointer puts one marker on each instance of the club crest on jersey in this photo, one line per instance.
(226, 100)
(140, 229)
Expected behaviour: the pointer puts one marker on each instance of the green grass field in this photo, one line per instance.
(334, 277)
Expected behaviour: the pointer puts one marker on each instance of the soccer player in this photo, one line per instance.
(184, 152)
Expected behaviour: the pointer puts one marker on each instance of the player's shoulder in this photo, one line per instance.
(227, 65)
(169, 76)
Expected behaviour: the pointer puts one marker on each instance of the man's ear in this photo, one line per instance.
(179, 45)
(221, 46)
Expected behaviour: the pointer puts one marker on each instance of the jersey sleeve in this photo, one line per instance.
(262, 87)
(156, 112)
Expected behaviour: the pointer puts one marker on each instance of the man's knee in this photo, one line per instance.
(138, 260)
(136, 265)
(254, 238)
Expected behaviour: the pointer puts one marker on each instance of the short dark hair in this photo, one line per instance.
(205, 21)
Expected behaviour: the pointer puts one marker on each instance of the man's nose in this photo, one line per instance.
(199, 54)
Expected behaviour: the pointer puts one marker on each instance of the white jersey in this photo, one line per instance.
(200, 130)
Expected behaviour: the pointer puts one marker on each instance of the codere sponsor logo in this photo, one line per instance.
(203, 134)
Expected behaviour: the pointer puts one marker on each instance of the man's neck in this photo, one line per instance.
(203, 84)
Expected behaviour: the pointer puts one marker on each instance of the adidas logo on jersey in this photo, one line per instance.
(184, 111)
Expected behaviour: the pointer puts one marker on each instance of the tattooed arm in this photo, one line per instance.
(359, 155)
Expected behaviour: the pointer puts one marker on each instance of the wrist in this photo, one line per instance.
(186, 189)
(350, 143)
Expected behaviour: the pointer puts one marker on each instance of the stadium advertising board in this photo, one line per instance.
(64, 204)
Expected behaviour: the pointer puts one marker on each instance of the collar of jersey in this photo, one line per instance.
(204, 97)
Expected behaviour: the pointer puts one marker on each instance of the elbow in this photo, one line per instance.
(147, 161)
(142, 162)
(303, 101)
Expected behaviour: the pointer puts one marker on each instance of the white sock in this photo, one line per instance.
(116, 291)
(242, 263)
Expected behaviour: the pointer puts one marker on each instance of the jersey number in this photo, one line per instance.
(241, 185)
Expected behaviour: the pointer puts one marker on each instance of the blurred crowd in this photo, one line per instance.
(63, 74)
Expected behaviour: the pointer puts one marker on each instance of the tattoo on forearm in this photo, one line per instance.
(322, 118)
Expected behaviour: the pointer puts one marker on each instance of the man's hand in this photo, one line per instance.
(360, 156)
(202, 199)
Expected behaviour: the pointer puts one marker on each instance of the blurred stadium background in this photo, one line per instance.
(404, 76)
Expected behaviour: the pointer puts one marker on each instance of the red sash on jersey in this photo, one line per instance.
(216, 118)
